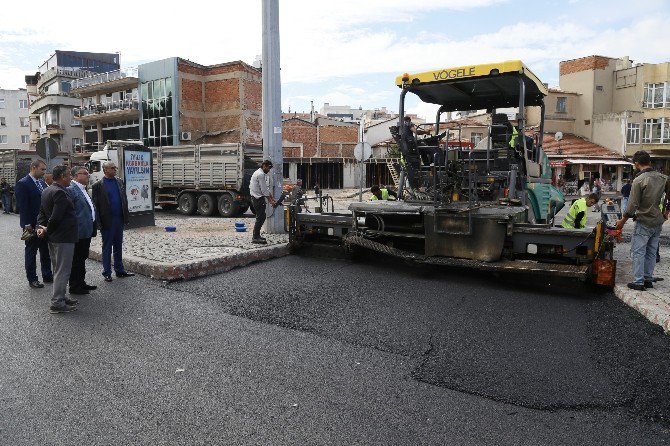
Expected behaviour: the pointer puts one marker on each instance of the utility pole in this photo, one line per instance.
(272, 146)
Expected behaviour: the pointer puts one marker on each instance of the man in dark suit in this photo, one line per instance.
(85, 212)
(111, 204)
(28, 198)
(58, 223)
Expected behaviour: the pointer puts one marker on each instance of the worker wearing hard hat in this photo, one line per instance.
(576, 218)
(382, 193)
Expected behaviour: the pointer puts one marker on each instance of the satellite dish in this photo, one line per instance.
(558, 136)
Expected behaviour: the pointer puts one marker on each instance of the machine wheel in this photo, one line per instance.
(169, 207)
(206, 205)
(187, 204)
(228, 207)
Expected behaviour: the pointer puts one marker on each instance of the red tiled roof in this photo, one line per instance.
(572, 145)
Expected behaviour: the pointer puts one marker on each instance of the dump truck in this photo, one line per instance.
(490, 207)
(206, 178)
(15, 164)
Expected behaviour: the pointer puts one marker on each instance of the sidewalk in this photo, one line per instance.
(653, 303)
(199, 247)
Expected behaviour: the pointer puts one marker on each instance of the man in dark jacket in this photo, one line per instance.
(58, 222)
(111, 203)
(28, 199)
(85, 212)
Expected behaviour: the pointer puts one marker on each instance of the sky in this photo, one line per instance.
(342, 52)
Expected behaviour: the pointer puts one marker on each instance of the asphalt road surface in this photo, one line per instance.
(313, 350)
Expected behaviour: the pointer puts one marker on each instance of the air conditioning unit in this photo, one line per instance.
(185, 136)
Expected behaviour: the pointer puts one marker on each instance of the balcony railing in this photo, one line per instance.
(126, 104)
(102, 78)
(61, 71)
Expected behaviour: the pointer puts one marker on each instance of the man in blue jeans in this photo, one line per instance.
(111, 204)
(645, 195)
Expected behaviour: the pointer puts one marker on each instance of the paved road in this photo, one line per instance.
(328, 352)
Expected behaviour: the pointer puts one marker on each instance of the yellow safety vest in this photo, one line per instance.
(577, 207)
(385, 195)
(514, 135)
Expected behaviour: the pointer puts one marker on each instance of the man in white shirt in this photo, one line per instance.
(259, 190)
(85, 211)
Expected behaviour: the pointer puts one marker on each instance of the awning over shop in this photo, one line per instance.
(598, 161)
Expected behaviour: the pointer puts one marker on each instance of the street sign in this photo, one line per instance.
(47, 148)
(362, 151)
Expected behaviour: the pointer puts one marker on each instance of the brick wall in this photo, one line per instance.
(583, 64)
(299, 131)
(231, 108)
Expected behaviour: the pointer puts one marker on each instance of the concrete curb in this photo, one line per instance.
(201, 268)
(647, 304)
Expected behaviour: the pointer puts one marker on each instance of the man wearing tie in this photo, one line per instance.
(85, 211)
(28, 199)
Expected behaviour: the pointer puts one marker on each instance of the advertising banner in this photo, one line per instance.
(137, 175)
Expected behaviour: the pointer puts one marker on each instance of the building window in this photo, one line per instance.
(76, 142)
(157, 127)
(476, 137)
(656, 131)
(23, 103)
(2, 103)
(633, 134)
(24, 122)
(561, 104)
(3, 139)
(656, 95)
(3, 121)
(25, 139)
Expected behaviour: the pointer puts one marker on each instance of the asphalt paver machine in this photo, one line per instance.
(488, 207)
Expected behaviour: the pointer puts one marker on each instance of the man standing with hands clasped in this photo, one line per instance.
(28, 199)
(643, 206)
(111, 204)
(58, 222)
(259, 190)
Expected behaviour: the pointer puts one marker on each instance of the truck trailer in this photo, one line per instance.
(15, 164)
(206, 178)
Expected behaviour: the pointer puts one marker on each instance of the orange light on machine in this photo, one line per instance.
(405, 77)
(604, 272)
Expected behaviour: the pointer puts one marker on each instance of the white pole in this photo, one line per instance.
(272, 145)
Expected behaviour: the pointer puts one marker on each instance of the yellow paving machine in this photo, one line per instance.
(489, 207)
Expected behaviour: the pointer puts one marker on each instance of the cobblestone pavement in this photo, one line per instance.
(196, 238)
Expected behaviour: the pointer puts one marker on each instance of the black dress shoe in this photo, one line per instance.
(71, 301)
(108, 277)
(636, 286)
(649, 284)
(36, 284)
(79, 291)
(125, 274)
(90, 287)
(48, 279)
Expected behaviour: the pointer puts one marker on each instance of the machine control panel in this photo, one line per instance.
(610, 212)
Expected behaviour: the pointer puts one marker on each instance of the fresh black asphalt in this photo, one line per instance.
(310, 350)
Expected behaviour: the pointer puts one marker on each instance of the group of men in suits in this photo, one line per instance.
(60, 221)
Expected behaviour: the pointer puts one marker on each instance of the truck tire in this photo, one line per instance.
(228, 207)
(187, 204)
(206, 205)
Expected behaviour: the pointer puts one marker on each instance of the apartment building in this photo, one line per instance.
(109, 107)
(619, 105)
(14, 119)
(51, 101)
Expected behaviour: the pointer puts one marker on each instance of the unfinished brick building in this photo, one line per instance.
(187, 103)
(319, 155)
